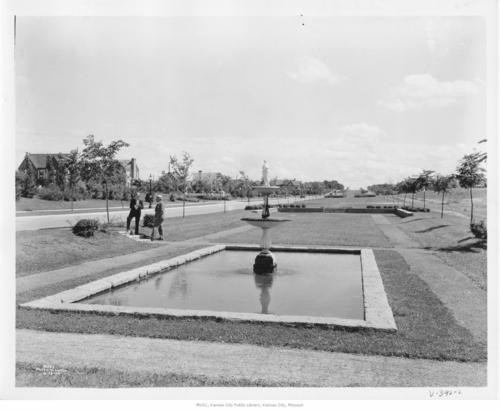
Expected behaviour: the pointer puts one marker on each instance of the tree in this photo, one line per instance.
(470, 175)
(442, 184)
(424, 181)
(98, 162)
(72, 166)
(405, 187)
(19, 181)
(28, 183)
(246, 185)
(180, 171)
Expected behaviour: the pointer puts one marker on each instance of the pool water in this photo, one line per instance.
(305, 284)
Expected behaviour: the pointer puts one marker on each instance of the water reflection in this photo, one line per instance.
(264, 283)
(179, 285)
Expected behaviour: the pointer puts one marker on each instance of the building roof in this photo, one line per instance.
(40, 160)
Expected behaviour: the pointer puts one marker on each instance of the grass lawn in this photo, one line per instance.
(451, 240)
(49, 249)
(181, 229)
(319, 229)
(37, 204)
(30, 375)
(350, 201)
(36, 250)
(426, 328)
(457, 200)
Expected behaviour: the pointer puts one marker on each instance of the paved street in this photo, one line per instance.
(30, 223)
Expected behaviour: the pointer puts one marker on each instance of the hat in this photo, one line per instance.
(159, 196)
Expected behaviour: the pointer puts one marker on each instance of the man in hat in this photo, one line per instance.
(136, 205)
(159, 213)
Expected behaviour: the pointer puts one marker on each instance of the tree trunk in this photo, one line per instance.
(107, 203)
(184, 204)
(404, 200)
(471, 206)
(72, 195)
(442, 205)
(424, 198)
(412, 198)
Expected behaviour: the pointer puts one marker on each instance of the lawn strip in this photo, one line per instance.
(320, 229)
(426, 328)
(36, 375)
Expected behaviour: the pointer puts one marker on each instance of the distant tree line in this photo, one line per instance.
(469, 174)
(94, 172)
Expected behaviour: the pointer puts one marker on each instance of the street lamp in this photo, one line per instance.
(150, 189)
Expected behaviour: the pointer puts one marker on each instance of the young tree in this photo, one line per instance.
(180, 171)
(406, 187)
(470, 174)
(71, 166)
(246, 185)
(98, 161)
(424, 180)
(442, 184)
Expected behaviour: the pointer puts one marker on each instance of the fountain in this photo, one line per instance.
(265, 261)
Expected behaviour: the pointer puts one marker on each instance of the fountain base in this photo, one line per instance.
(264, 263)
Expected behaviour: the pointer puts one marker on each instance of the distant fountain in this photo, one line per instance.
(265, 261)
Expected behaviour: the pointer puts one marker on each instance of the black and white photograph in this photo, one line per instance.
(292, 200)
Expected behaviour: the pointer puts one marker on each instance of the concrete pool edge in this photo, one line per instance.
(378, 314)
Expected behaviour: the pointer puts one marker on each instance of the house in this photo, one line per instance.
(40, 164)
(288, 186)
(131, 169)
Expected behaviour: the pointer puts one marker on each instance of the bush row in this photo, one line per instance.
(415, 209)
(381, 206)
(81, 191)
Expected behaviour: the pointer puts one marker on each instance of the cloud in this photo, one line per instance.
(361, 131)
(420, 91)
(311, 70)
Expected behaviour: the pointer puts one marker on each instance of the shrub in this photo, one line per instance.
(415, 209)
(148, 221)
(479, 230)
(172, 197)
(51, 193)
(303, 205)
(86, 227)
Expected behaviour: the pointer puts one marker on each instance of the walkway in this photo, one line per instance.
(466, 301)
(266, 365)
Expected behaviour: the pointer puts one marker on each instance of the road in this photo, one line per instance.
(34, 222)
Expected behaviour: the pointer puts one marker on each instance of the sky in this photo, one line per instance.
(362, 100)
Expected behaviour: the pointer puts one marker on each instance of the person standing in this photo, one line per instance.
(136, 206)
(158, 221)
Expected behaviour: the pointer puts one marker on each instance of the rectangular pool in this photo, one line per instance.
(305, 284)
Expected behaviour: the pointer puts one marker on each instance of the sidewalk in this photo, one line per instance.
(266, 365)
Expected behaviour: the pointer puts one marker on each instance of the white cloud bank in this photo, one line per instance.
(420, 91)
(361, 131)
(311, 70)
